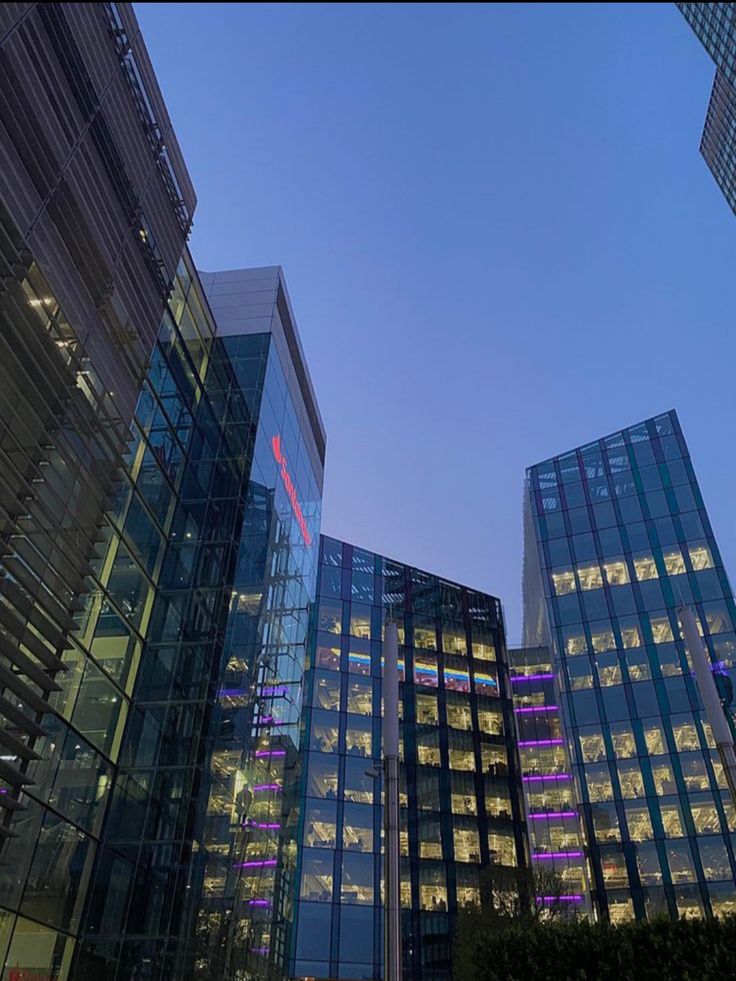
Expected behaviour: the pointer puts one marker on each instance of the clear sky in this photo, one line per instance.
(499, 237)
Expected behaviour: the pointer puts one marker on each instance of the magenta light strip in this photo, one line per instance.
(263, 863)
(267, 786)
(542, 742)
(258, 902)
(540, 855)
(266, 827)
(548, 776)
(260, 950)
(553, 814)
(270, 752)
(531, 677)
(574, 898)
(538, 708)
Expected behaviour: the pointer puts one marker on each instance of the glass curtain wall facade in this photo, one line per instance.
(553, 818)
(620, 538)
(193, 881)
(714, 25)
(95, 207)
(460, 791)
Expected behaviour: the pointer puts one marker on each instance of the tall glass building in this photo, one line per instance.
(193, 877)
(617, 537)
(714, 25)
(460, 793)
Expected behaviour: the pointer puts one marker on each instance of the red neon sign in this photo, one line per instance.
(290, 489)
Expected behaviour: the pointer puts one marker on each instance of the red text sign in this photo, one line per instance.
(290, 489)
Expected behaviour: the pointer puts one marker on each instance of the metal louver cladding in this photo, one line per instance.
(60, 449)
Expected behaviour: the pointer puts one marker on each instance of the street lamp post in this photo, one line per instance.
(711, 700)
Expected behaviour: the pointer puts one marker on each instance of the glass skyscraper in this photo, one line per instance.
(460, 784)
(194, 875)
(715, 26)
(617, 538)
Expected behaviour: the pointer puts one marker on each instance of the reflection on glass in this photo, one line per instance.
(701, 558)
(467, 844)
(328, 657)
(502, 849)
(330, 617)
(671, 819)
(458, 716)
(654, 737)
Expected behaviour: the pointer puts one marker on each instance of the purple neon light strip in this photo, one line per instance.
(258, 902)
(552, 815)
(542, 855)
(572, 898)
(261, 864)
(542, 742)
(270, 752)
(538, 708)
(548, 776)
(268, 786)
(260, 950)
(531, 677)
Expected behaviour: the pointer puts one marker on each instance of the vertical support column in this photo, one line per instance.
(709, 693)
(391, 864)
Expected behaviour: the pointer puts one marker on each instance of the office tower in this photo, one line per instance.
(617, 537)
(460, 793)
(553, 818)
(194, 876)
(715, 26)
(95, 207)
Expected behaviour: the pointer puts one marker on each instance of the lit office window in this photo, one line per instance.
(358, 736)
(590, 577)
(490, 721)
(453, 639)
(327, 690)
(316, 876)
(328, 657)
(671, 819)
(624, 745)
(432, 887)
(459, 715)
(701, 557)
(674, 563)
(501, 849)
(319, 824)
(467, 844)
(598, 780)
(330, 617)
(664, 781)
(425, 635)
(616, 572)
(563, 582)
(639, 822)
(426, 706)
(360, 697)
(661, 630)
(645, 567)
(705, 816)
(360, 620)
(654, 737)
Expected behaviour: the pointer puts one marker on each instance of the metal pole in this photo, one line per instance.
(392, 888)
(711, 700)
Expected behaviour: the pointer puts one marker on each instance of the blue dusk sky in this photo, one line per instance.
(499, 237)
